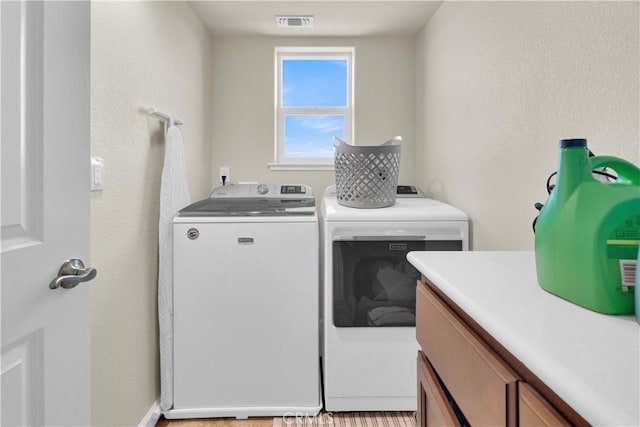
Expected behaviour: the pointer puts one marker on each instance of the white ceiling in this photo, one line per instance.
(331, 17)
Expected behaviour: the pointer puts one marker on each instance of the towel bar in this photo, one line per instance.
(163, 116)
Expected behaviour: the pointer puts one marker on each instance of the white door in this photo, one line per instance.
(45, 211)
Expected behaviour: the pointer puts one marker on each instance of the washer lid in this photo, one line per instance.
(255, 200)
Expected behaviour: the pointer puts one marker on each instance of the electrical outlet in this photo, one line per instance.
(225, 171)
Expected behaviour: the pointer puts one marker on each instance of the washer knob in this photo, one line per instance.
(263, 189)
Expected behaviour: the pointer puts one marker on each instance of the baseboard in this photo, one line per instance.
(243, 412)
(152, 416)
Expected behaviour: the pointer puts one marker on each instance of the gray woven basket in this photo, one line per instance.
(367, 176)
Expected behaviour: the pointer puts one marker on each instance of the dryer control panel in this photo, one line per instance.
(409, 191)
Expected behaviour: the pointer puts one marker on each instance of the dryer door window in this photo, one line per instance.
(373, 283)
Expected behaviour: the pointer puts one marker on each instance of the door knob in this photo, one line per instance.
(71, 273)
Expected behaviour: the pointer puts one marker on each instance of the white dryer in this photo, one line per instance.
(369, 344)
(246, 339)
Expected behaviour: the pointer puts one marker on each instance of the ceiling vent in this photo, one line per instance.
(294, 21)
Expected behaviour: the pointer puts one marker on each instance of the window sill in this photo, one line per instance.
(301, 166)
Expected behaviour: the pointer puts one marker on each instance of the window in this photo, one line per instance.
(314, 103)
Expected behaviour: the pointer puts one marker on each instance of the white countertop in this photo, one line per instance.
(590, 360)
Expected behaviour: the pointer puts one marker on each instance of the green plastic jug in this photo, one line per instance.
(587, 234)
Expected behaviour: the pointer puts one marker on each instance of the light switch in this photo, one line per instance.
(97, 174)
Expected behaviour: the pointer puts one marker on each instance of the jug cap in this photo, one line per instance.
(567, 143)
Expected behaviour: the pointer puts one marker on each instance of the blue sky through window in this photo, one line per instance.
(313, 83)
(311, 135)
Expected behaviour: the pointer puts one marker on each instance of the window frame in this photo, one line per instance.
(318, 53)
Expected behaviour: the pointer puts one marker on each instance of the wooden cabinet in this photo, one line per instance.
(534, 410)
(483, 386)
(434, 408)
(464, 378)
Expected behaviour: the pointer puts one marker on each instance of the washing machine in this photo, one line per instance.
(246, 340)
(369, 345)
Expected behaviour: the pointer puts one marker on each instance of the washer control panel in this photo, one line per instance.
(271, 191)
(293, 189)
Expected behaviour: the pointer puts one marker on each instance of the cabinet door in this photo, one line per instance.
(482, 384)
(433, 407)
(534, 410)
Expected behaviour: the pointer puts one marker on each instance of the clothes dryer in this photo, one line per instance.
(369, 343)
(246, 304)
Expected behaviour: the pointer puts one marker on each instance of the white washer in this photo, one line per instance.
(369, 345)
(246, 304)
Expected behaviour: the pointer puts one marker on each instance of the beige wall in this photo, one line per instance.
(243, 103)
(499, 83)
(481, 97)
(142, 54)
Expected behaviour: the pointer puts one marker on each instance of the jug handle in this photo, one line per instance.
(628, 173)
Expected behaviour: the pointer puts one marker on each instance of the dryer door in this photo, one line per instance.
(373, 283)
